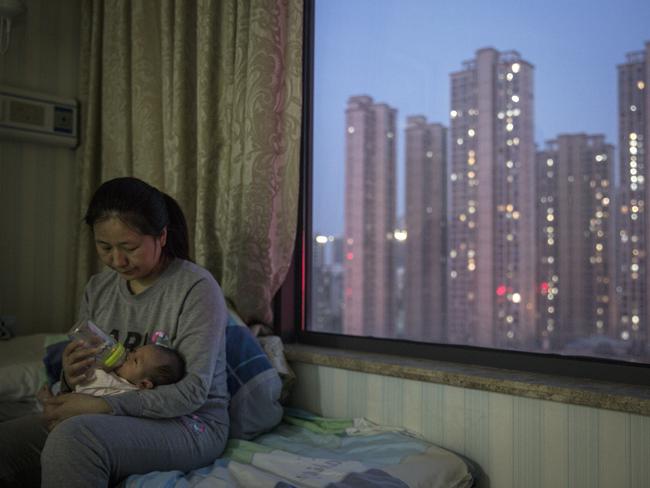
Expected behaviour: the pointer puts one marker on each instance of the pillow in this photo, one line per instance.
(253, 383)
(21, 365)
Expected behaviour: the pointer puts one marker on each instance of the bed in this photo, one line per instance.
(303, 450)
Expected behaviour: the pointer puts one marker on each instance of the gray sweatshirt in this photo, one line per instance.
(184, 305)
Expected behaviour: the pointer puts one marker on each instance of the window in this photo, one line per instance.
(458, 179)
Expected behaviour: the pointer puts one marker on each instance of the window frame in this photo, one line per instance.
(291, 307)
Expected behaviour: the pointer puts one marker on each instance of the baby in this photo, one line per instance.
(146, 367)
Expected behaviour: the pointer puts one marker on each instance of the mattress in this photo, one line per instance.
(306, 450)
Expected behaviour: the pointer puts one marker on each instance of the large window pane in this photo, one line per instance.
(479, 174)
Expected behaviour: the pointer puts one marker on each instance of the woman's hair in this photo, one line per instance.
(171, 372)
(144, 208)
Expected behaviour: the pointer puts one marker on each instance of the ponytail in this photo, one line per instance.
(178, 242)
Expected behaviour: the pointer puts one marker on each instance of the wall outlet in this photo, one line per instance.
(37, 117)
(7, 327)
(26, 112)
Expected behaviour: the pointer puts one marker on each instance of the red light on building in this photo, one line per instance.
(543, 287)
(501, 290)
(349, 256)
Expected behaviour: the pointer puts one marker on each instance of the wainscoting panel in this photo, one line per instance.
(39, 209)
(518, 442)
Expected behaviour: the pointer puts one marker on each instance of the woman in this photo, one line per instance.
(150, 288)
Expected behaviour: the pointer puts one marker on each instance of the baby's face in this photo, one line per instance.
(139, 364)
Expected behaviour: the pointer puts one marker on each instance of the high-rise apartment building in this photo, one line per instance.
(370, 213)
(575, 195)
(491, 257)
(632, 273)
(326, 284)
(424, 277)
(318, 286)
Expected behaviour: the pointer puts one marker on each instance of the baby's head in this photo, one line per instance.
(151, 365)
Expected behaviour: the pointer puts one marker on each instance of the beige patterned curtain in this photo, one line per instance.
(202, 99)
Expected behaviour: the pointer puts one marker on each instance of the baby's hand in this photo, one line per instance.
(44, 393)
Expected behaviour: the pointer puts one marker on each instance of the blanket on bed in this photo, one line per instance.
(310, 451)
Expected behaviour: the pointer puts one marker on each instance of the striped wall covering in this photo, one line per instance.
(519, 442)
(39, 211)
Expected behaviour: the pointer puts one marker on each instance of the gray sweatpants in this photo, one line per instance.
(101, 450)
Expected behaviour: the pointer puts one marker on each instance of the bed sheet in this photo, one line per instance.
(310, 451)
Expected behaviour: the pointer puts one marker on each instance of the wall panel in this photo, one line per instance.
(518, 442)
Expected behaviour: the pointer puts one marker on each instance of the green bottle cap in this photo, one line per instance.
(116, 353)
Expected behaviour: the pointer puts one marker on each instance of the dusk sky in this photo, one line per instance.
(401, 52)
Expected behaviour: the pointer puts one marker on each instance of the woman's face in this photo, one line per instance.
(133, 255)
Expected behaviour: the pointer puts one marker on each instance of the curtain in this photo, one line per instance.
(202, 99)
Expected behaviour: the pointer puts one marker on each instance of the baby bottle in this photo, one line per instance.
(112, 353)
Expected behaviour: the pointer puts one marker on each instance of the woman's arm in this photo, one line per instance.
(200, 339)
(58, 408)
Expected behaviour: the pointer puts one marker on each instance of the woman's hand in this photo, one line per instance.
(78, 357)
(61, 407)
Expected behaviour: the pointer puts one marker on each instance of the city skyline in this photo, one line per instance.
(390, 57)
(537, 250)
